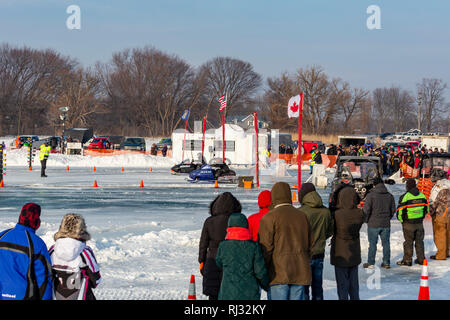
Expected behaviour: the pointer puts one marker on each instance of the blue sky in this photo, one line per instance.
(275, 36)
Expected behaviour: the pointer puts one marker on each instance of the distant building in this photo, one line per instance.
(247, 122)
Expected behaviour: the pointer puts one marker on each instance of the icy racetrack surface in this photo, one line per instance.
(146, 239)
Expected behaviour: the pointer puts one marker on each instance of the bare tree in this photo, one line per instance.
(348, 102)
(276, 97)
(233, 77)
(318, 109)
(151, 85)
(432, 100)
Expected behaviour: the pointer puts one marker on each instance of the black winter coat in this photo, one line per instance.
(379, 207)
(213, 232)
(345, 244)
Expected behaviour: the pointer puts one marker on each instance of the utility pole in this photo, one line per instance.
(419, 110)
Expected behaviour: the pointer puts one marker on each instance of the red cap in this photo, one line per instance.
(264, 199)
(30, 215)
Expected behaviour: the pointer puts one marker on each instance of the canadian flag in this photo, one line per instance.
(294, 106)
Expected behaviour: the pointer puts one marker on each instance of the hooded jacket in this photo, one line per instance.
(241, 259)
(345, 244)
(439, 207)
(286, 239)
(213, 232)
(319, 218)
(379, 207)
(264, 201)
(73, 260)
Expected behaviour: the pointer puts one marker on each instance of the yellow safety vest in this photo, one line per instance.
(45, 151)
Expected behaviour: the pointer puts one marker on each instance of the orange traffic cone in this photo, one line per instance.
(424, 291)
(151, 170)
(94, 169)
(142, 184)
(95, 184)
(67, 169)
(2, 184)
(121, 169)
(191, 293)
(30, 168)
(216, 184)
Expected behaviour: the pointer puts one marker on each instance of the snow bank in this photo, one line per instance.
(18, 157)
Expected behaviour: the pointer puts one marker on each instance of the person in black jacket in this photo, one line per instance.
(345, 252)
(379, 208)
(213, 232)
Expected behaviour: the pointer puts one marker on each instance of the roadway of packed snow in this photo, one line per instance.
(146, 239)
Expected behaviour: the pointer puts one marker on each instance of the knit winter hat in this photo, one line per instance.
(73, 226)
(264, 199)
(30, 215)
(304, 190)
(410, 184)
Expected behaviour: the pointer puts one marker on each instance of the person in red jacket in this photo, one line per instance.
(264, 201)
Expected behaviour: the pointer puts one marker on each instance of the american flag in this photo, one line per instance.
(223, 102)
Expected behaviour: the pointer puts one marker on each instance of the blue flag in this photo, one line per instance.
(185, 115)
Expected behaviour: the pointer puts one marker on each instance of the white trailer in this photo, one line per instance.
(439, 142)
(346, 141)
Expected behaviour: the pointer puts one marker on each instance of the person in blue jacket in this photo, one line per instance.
(25, 268)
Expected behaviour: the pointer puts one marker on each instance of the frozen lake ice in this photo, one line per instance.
(146, 239)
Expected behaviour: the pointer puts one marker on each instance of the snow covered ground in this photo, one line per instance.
(146, 239)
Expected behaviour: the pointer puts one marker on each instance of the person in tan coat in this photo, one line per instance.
(441, 224)
(286, 241)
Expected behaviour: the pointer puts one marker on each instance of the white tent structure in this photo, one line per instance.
(239, 145)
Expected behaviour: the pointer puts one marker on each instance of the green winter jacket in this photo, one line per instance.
(242, 262)
(319, 218)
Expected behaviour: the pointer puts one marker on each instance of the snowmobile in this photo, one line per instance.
(215, 170)
(187, 166)
(357, 172)
(436, 166)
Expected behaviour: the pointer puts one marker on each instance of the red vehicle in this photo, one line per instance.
(414, 144)
(100, 143)
(408, 145)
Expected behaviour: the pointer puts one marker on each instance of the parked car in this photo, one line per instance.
(134, 143)
(162, 142)
(100, 143)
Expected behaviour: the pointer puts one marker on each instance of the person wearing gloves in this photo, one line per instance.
(25, 270)
(74, 264)
(242, 262)
(264, 202)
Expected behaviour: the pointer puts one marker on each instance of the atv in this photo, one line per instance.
(359, 173)
(436, 166)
